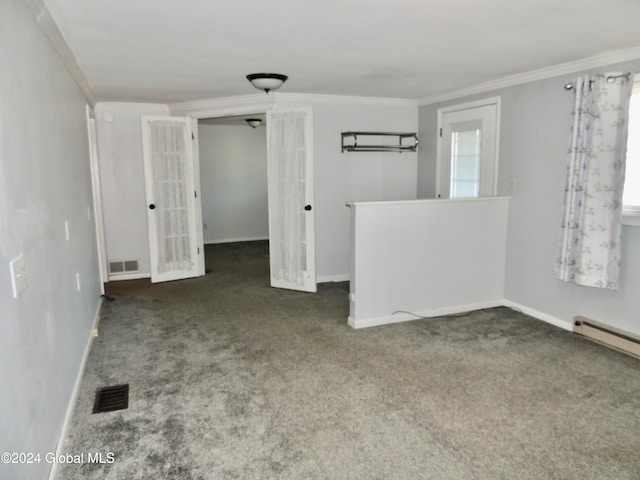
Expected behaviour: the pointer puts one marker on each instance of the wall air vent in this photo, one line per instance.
(123, 266)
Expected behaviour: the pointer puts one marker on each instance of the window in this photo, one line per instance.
(631, 196)
(465, 163)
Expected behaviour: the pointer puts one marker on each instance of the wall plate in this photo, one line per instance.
(18, 275)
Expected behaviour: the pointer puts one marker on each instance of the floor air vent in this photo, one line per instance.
(615, 338)
(123, 266)
(109, 399)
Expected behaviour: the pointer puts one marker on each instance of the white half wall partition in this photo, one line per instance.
(425, 258)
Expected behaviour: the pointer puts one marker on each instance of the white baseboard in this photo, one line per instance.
(405, 317)
(334, 278)
(74, 394)
(129, 276)
(435, 312)
(233, 240)
(558, 322)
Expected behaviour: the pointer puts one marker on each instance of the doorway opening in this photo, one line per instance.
(289, 187)
(233, 183)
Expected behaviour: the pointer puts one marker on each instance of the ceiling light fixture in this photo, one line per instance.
(254, 122)
(267, 81)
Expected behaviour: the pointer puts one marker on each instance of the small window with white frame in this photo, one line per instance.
(631, 195)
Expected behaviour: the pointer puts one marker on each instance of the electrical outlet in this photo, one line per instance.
(18, 275)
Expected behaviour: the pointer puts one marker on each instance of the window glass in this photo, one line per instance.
(465, 163)
(631, 196)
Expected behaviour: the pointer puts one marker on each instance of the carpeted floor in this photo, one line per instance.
(230, 379)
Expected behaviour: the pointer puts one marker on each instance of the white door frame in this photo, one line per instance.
(216, 112)
(198, 199)
(98, 216)
(460, 107)
(255, 105)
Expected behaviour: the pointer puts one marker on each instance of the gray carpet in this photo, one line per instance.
(230, 378)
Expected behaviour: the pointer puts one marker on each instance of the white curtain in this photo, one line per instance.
(589, 251)
(169, 163)
(287, 174)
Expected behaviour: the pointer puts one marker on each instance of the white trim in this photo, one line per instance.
(631, 215)
(195, 149)
(75, 392)
(558, 322)
(51, 30)
(98, 217)
(633, 220)
(344, 99)
(539, 74)
(258, 103)
(467, 105)
(434, 312)
(438, 312)
(343, 277)
(428, 200)
(131, 106)
(129, 276)
(223, 107)
(233, 240)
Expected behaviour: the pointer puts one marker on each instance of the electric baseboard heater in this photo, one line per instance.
(404, 142)
(612, 337)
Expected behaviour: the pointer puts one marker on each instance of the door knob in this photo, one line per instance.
(152, 206)
(307, 207)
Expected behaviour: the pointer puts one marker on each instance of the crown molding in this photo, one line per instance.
(225, 106)
(257, 103)
(589, 63)
(51, 30)
(130, 106)
(345, 99)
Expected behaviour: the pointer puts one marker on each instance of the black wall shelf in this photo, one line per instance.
(406, 142)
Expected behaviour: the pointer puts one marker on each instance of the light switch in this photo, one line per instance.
(18, 275)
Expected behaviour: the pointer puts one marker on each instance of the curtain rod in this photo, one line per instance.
(610, 79)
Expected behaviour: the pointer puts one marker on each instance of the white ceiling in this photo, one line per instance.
(173, 51)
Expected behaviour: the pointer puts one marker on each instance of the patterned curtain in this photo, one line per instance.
(589, 252)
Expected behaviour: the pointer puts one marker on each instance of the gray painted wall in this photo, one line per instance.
(342, 178)
(44, 181)
(124, 201)
(233, 182)
(534, 134)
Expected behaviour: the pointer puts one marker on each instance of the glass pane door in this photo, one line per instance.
(466, 154)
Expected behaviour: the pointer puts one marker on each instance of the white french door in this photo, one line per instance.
(170, 181)
(467, 153)
(291, 199)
